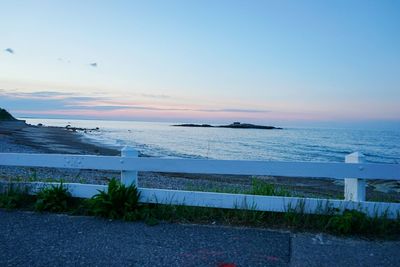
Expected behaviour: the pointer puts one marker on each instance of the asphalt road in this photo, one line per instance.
(32, 239)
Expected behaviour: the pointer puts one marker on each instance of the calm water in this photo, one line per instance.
(290, 144)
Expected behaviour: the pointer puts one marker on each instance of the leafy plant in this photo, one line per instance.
(119, 202)
(54, 199)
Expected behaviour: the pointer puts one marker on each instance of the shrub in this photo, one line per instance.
(119, 202)
(54, 199)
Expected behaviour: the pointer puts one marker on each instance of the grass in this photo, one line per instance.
(258, 187)
(121, 202)
(384, 199)
(13, 197)
(349, 223)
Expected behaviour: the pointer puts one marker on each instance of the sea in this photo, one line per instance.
(160, 139)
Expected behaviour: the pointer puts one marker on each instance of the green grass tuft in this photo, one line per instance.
(258, 187)
(262, 188)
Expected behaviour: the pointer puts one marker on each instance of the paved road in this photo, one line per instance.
(32, 239)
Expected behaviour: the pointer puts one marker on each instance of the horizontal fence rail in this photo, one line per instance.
(233, 167)
(353, 171)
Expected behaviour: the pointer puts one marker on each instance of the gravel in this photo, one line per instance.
(321, 250)
(29, 239)
(32, 239)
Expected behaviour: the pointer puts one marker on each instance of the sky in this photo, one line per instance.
(274, 62)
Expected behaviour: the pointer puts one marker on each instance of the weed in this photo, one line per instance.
(122, 202)
(14, 198)
(384, 198)
(260, 187)
(55, 199)
(356, 222)
(119, 202)
(33, 177)
(147, 214)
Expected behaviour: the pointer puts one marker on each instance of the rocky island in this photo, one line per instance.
(235, 125)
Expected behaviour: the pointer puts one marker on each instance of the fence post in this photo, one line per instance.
(354, 189)
(129, 177)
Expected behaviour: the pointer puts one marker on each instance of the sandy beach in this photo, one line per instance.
(23, 138)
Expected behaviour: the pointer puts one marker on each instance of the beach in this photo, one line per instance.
(24, 138)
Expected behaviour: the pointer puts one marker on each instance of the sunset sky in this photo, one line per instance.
(275, 62)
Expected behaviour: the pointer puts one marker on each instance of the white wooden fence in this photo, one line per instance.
(354, 172)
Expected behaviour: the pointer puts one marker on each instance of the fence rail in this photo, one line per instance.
(353, 171)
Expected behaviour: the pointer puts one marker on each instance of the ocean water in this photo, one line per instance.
(290, 144)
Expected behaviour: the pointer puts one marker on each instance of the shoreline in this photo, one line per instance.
(25, 138)
(51, 139)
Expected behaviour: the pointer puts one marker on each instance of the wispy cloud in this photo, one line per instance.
(234, 110)
(75, 99)
(45, 94)
(162, 96)
(9, 50)
(33, 95)
(54, 102)
(41, 100)
(127, 106)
